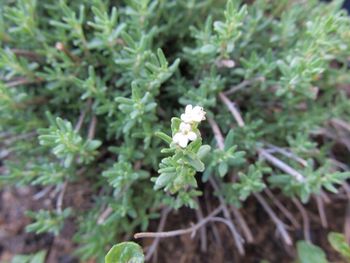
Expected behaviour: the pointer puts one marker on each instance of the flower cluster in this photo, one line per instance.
(190, 119)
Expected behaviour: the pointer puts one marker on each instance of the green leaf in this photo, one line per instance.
(125, 252)
(208, 49)
(38, 257)
(196, 163)
(223, 168)
(164, 137)
(309, 253)
(175, 124)
(163, 179)
(339, 243)
(203, 151)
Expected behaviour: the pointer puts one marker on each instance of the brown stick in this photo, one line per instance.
(279, 224)
(220, 142)
(282, 208)
(60, 197)
(306, 220)
(26, 53)
(281, 165)
(203, 230)
(243, 224)
(61, 47)
(179, 232)
(92, 128)
(217, 133)
(105, 214)
(278, 163)
(82, 115)
(288, 154)
(243, 84)
(161, 226)
(321, 212)
(231, 107)
(21, 81)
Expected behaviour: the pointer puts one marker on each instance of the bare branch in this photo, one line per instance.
(21, 81)
(243, 84)
(277, 162)
(105, 214)
(231, 106)
(281, 207)
(220, 142)
(217, 133)
(243, 224)
(288, 154)
(279, 224)
(238, 239)
(59, 201)
(179, 232)
(321, 212)
(306, 220)
(281, 165)
(92, 128)
(83, 115)
(26, 53)
(161, 226)
(203, 230)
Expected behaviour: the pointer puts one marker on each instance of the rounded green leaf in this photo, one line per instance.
(309, 253)
(125, 252)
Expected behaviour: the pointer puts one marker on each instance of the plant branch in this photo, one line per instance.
(179, 232)
(279, 224)
(217, 133)
(161, 226)
(203, 230)
(243, 84)
(306, 220)
(288, 154)
(59, 201)
(281, 165)
(231, 107)
(321, 212)
(282, 208)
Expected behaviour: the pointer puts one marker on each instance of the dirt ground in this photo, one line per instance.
(267, 243)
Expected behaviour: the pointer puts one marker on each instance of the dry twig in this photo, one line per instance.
(191, 230)
(243, 84)
(306, 220)
(282, 208)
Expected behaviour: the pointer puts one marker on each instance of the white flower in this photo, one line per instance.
(193, 114)
(184, 135)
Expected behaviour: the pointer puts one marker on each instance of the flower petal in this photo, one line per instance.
(185, 127)
(177, 137)
(188, 108)
(183, 141)
(192, 136)
(186, 117)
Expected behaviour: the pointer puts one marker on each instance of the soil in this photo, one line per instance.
(267, 243)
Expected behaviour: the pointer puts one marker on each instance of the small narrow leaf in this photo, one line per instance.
(164, 137)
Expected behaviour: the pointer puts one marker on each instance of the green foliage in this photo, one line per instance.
(249, 182)
(339, 243)
(176, 173)
(125, 252)
(88, 89)
(309, 253)
(47, 221)
(67, 144)
(221, 160)
(38, 257)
